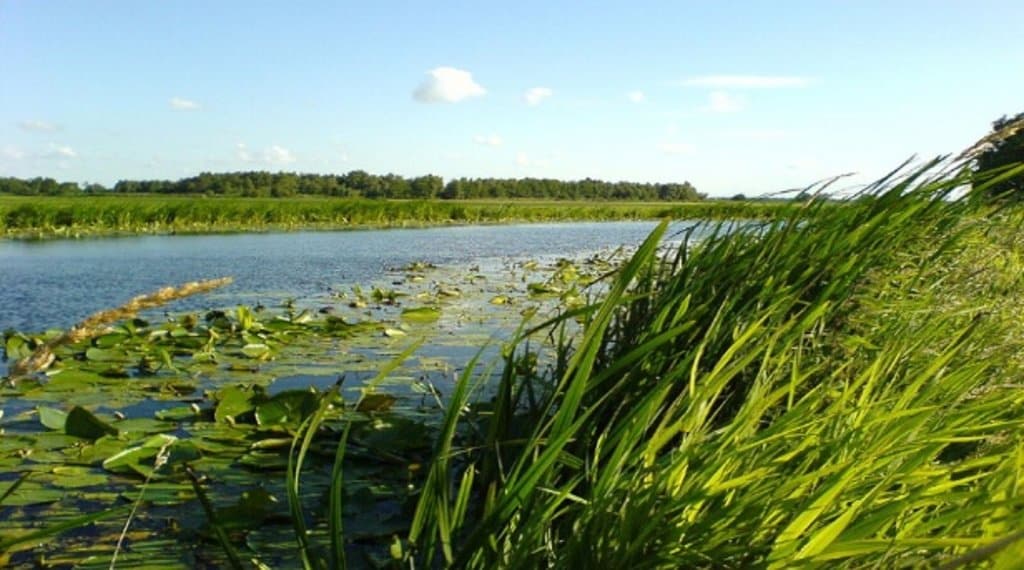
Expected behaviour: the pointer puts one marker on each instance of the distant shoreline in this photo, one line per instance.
(63, 217)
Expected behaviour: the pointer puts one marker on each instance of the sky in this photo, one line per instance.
(735, 97)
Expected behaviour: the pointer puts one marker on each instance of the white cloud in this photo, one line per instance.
(447, 85)
(278, 155)
(38, 126)
(488, 140)
(636, 97)
(61, 151)
(272, 155)
(522, 159)
(677, 148)
(722, 102)
(12, 153)
(179, 104)
(535, 95)
(747, 81)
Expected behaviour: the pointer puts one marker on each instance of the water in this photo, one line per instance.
(55, 284)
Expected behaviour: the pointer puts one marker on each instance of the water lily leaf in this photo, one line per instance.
(17, 346)
(421, 314)
(391, 333)
(130, 457)
(500, 300)
(233, 401)
(374, 402)
(82, 423)
(73, 477)
(52, 418)
(288, 407)
(258, 351)
(97, 354)
(29, 493)
(110, 340)
(143, 459)
(542, 289)
(176, 414)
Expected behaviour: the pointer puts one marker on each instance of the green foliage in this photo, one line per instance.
(828, 389)
(359, 183)
(42, 217)
(1005, 149)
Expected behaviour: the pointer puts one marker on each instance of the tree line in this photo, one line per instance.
(362, 184)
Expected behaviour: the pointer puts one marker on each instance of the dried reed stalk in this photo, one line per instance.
(95, 324)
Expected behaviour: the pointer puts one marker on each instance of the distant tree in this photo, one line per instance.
(1004, 148)
(739, 197)
(426, 187)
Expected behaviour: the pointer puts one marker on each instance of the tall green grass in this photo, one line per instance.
(42, 217)
(839, 387)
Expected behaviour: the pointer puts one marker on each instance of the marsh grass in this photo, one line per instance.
(62, 217)
(838, 387)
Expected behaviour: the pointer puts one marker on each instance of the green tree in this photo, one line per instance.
(1004, 147)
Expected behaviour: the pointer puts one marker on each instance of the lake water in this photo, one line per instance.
(57, 283)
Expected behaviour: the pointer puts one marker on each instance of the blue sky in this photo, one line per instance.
(734, 97)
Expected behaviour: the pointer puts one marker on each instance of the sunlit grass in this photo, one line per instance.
(836, 388)
(43, 217)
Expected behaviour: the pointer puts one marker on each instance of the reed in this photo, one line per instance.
(837, 387)
(62, 217)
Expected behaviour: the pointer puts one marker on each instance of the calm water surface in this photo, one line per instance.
(55, 284)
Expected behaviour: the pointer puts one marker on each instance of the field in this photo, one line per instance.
(836, 387)
(79, 216)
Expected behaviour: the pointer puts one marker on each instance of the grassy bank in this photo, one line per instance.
(842, 388)
(48, 217)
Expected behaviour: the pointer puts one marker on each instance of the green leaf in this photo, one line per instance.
(233, 402)
(82, 423)
(288, 407)
(96, 354)
(258, 351)
(373, 402)
(52, 418)
(421, 314)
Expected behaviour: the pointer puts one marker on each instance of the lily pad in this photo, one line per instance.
(288, 407)
(52, 418)
(421, 314)
(97, 354)
(82, 423)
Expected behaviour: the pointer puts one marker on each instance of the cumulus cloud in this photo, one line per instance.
(61, 151)
(722, 102)
(747, 81)
(488, 140)
(676, 148)
(535, 95)
(636, 97)
(272, 155)
(179, 104)
(447, 85)
(278, 155)
(38, 126)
